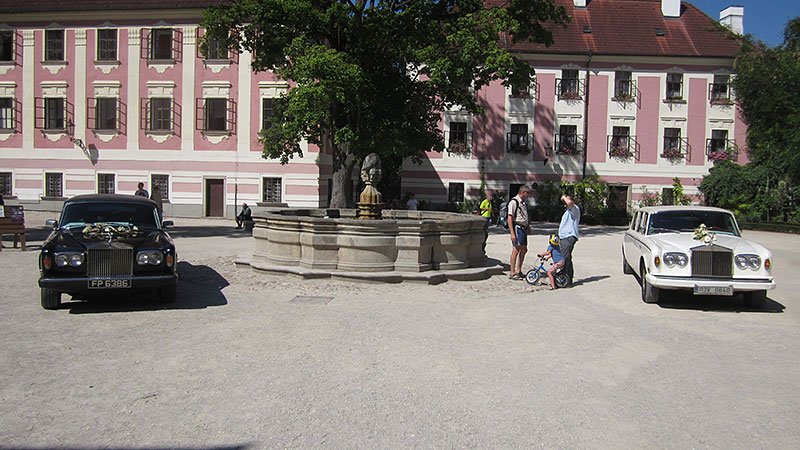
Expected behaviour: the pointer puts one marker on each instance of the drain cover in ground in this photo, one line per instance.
(311, 299)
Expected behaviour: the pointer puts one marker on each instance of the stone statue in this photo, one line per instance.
(370, 202)
(371, 172)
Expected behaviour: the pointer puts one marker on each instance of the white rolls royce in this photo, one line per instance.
(695, 248)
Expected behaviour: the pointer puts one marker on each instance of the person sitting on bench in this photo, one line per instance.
(244, 216)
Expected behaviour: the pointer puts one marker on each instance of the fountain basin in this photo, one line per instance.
(427, 246)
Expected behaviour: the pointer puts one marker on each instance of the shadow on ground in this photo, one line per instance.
(681, 300)
(208, 231)
(199, 287)
(546, 228)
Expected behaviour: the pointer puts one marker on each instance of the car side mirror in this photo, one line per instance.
(51, 223)
(167, 223)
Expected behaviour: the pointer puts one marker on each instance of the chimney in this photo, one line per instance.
(733, 18)
(579, 3)
(671, 8)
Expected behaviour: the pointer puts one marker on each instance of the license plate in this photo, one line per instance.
(713, 290)
(109, 284)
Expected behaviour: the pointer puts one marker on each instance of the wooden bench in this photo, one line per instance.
(7, 226)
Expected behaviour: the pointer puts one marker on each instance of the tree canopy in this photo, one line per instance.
(766, 89)
(374, 76)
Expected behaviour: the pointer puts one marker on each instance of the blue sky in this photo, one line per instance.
(764, 19)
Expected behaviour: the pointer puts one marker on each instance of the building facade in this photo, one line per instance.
(102, 99)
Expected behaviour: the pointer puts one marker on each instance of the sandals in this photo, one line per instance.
(516, 276)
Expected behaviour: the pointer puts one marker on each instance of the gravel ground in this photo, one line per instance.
(249, 360)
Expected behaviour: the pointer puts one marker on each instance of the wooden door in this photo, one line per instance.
(215, 198)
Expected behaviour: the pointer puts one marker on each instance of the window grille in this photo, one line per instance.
(5, 183)
(53, 185)
(54, 45)
(267, 109)
(107, 45)
(455, 192)
(272, 190)
(106, 183)
(162, 183)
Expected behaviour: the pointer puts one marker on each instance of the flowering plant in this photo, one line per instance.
(569, 95)
(620, 151)
(672, 153)
(458, 147)
(568, 150)
(109, 232)
(719, 155)
(701, 233)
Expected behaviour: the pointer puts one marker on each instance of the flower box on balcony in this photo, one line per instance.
(624, 98)
(672, 153)
(458, 147)
(720, 155)
(569, 95)
(620, 151)
(722, 101)
(567, 150)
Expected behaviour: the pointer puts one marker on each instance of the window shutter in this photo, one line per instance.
(199, 114)
(176, 117)
(145, 48)
(38, 106)
(18, 48)
(177, 44)
(69, 117)
(231, 116)
(17, 115)
(122, 116)
(198, 43)
(144, 117)
(91, 113)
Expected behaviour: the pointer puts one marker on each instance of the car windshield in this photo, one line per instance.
(79, 214)
(688, 220)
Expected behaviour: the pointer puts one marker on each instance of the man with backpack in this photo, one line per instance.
(518, 225)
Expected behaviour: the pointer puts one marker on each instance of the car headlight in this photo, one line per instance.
(72, 259)
(152, 257)
(745, 262)
(676, 259)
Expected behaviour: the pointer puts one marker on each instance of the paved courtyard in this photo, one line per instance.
(248, 360)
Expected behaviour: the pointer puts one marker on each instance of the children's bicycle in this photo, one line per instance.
(535, 275)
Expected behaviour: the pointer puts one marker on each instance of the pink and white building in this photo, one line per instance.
(101, 97)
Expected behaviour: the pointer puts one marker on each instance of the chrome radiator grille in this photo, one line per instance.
(712, 261)
(109, 263)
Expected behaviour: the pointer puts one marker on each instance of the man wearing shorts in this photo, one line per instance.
(568, 232)
(518, 227)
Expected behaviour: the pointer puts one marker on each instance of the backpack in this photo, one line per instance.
(503, 219)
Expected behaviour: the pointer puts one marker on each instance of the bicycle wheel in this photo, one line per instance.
(533, 276)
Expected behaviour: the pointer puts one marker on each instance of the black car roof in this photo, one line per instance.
(111, 198)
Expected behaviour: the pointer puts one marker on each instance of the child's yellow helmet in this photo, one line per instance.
(554, 239)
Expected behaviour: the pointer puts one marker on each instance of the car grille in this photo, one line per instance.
(712, 261)
(109, 262)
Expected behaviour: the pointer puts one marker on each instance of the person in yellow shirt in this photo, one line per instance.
(486, 207)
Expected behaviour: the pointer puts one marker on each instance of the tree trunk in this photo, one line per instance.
(342, 191)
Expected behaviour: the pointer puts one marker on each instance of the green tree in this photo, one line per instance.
(373, 76)
(766, 88)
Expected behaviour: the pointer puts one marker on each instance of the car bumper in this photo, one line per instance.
(81, 284)
(689, 283)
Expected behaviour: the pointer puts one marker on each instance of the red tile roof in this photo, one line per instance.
(36, 6)
(628, 27)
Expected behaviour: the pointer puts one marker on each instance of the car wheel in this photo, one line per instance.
(168, 294)
(650, 293)
(626, 268)
(50, 299)
(755, 299)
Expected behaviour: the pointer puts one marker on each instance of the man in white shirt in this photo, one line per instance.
(518, 225)
(411, 204)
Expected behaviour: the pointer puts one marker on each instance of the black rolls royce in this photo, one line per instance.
(111, 243)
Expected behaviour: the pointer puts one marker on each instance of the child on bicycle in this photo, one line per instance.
(553, 251)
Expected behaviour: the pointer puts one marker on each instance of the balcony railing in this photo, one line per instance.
(721, 149)
(624, 91)
(459, 143)
(570, 88)
(719, 93)
(621, 146)
(675, 148)
(569, 144)
(521, 143)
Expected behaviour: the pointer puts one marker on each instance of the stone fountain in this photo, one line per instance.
(426, 246)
